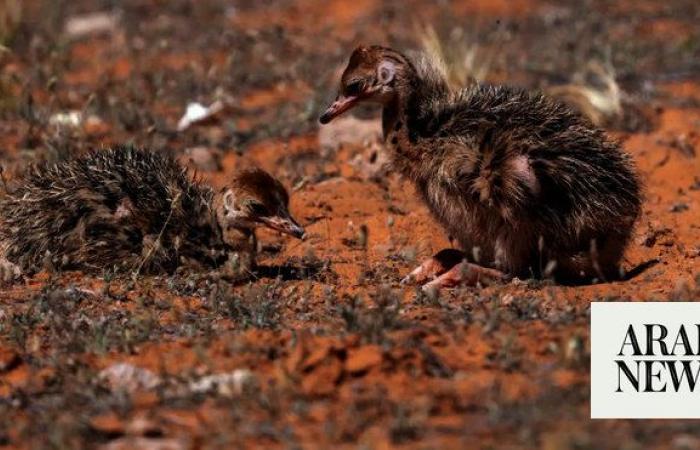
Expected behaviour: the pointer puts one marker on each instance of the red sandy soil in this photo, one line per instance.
(346, 356)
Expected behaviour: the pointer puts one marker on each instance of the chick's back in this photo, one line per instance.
(120, 206)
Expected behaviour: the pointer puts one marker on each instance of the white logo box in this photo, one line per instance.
(614, 393)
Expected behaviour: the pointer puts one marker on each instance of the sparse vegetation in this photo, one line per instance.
(372, 324)
(257, 307)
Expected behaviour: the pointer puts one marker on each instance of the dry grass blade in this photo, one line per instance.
(463, 60)
(593, 92)
(173, 204)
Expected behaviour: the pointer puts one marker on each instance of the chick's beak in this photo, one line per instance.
(285, 225)
(338, 107)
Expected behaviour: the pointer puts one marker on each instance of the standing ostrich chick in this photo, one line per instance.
(137, 211)
(525, 185)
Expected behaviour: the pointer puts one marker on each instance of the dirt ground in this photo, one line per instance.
(326, 349)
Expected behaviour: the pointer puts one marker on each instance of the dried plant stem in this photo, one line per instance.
(173, 205)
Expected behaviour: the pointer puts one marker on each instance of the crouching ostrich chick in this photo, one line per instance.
(137, 211)
(525, 185)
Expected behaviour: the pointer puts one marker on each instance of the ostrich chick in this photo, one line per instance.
(136, 210)
(524, 184)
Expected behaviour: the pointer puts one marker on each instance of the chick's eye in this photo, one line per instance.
(258, 209)
(353, 89)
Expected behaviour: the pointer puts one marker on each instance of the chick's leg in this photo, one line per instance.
(465, 274)
(431, 268)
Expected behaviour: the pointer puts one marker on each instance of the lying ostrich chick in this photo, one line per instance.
(139, 211)
(525, 185)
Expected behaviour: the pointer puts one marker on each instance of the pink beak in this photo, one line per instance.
(286, 225)
(338, 107)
